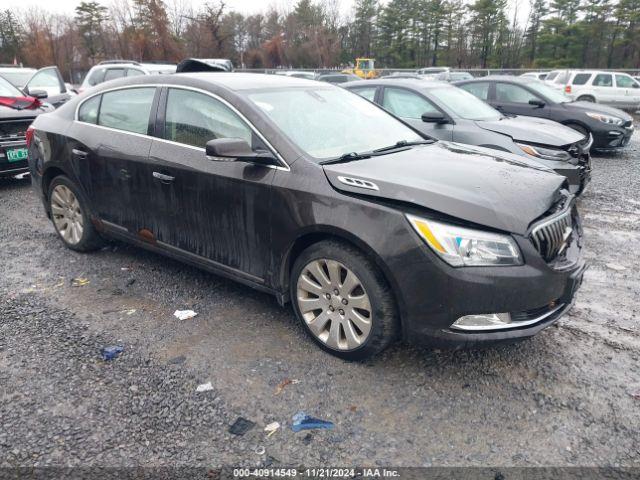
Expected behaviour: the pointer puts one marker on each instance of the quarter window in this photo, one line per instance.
(96, 77)
(581, 78)
(506, 92)
(134, 72)
(406, 104)
(623, 81)
(368, 92)
(89, 110)
(603, 80)
(127, 109)
(194, 118)
(480, 89)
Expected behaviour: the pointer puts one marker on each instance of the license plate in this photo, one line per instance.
(17, 154)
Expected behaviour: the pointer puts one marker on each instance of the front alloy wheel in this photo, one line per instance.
(334, 304)
(343, 300)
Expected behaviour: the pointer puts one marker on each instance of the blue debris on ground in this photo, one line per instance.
(109, 353)
(302, 421)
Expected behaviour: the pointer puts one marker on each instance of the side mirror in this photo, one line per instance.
(237, 149)
(537, 103)
(434, 117)
(40, 94)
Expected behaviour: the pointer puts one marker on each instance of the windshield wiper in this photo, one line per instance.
(347, 157)
(402, 144)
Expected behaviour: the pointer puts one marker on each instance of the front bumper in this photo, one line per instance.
(434, 295)
(612, 138)
(10, 168)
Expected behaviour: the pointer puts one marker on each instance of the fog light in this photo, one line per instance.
(487, 321)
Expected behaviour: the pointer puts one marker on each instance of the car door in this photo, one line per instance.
(202, 207)
(109, 148)
(603, 88)
(514, 100)
(628, 89)
(410, 106)
(50, 80)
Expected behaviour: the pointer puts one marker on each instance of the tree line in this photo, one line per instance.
(313, 34)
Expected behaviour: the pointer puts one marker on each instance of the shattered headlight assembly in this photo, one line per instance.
(608, 119)
(546, 153)
(465, 247)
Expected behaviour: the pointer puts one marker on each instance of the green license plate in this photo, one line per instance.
(17, 154)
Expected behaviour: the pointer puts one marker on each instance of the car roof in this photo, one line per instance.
(413, 83)
(502, 78)
(119, 65)
(249, 81)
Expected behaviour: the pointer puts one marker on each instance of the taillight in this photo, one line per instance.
(29, 135)
(567, 89)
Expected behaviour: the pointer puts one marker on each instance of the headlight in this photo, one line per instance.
(546, 153)
(609, 119)
(460, 246)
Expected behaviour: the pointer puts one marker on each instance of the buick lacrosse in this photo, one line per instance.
(311, 193)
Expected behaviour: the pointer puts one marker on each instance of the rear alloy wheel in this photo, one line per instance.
(343, 301)
(70, 217)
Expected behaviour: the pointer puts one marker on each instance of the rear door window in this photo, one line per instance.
(113, 73)
(479, 89)
(406, 104)
(134, 72)
(603, 80)
(581, 78)
(127, 109)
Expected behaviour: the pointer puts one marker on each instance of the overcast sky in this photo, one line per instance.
(242, 6)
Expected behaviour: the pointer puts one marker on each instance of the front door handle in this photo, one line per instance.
(79, 153)
(124, 174)
(163, 178)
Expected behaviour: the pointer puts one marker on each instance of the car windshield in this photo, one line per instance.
(331, 122)
(18, 79)
(8, 90)
(464, 104)
(551, 93)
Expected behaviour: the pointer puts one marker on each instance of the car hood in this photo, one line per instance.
(599, 108)
(533, 130)
(456, 181)
(13, 113)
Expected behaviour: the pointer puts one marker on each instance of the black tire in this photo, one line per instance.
(384, 317)
(90, 239)
(586, 98)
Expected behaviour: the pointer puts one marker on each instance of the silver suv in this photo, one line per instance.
(112, 69)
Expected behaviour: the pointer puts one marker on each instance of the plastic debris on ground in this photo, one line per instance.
(79, 282)
(205, 387)
(287, 381)
(241, 426)
(302, 421)
(615, 267)
(109, 353)
(271, 428)
(260, 450)
(184, 314)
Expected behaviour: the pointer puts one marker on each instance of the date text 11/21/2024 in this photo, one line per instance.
(328, 472)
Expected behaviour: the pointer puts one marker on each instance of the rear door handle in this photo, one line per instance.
(79, 153)
(163, 178)
(124, 174)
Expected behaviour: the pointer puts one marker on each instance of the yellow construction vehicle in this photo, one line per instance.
(365, 68)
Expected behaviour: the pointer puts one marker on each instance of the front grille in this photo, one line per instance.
(552, 235)
(14, 129)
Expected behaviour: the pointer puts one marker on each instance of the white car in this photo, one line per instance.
(536, 75)
(610, 88)
(432, 72)
(112, 69)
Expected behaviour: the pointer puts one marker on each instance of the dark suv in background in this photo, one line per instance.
(610, 127)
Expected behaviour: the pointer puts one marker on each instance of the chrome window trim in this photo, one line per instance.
(284, 165)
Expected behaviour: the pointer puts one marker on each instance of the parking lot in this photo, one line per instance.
(569, 396)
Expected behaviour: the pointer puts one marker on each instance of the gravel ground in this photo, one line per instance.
(569, 396)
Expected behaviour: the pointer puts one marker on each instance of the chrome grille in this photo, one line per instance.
(551, 236)
(14, 129)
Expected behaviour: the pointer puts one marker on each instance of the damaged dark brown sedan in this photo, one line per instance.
(311, 193)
